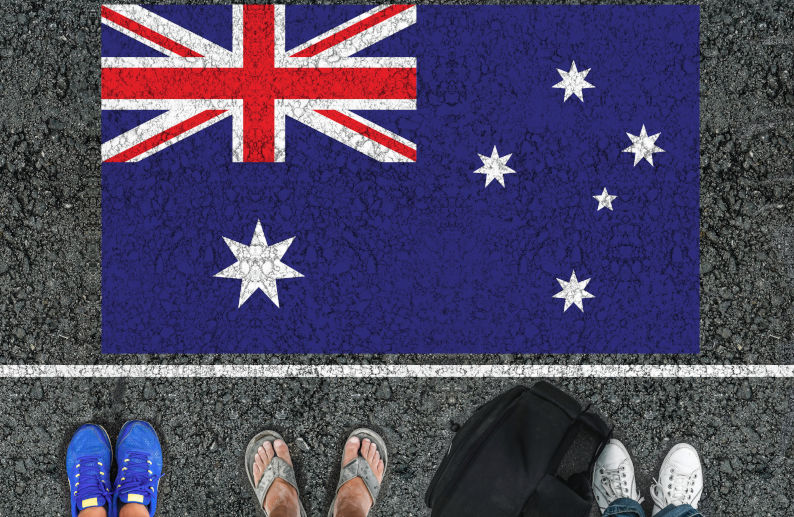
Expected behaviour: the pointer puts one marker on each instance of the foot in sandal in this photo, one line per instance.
(268, 455)
(353, 498)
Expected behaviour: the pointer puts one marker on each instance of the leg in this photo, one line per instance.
(93, 512)
(133, 510)
(348, 509)
(683, 510)
(281, 511)
(624, 508)
(353, 499)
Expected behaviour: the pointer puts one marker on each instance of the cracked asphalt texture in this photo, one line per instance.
(50, 304)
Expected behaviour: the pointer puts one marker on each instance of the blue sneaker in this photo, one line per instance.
(140, 464)
(88, 461)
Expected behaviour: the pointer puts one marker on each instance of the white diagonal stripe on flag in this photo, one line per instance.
(137, 37)
(178, 112)
(210, 54)
(328, 117)
(335, 54)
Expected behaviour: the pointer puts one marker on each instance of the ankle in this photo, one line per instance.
(98, 511)
(283, 509)
(350, 507)
(133, 510)
(281, 498)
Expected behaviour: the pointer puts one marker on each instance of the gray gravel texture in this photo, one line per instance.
(743, 430)
(50, 303)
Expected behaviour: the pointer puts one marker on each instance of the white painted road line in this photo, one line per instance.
(402, 370)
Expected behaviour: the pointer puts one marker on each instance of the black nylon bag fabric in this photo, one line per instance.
(527, 453)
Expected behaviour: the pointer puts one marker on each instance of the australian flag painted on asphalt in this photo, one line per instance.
(400, 179)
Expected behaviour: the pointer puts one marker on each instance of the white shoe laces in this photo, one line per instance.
(677, 489)
(616, 483)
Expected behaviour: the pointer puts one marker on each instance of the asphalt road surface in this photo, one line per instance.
(743, 430)
(50, 304)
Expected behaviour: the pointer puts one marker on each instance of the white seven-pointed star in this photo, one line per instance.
(573, 292)
(494, 167)
(258, 265)
(605, 200)
(573, 82)
(643, 146)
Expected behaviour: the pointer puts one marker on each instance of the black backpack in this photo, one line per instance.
(527, 453)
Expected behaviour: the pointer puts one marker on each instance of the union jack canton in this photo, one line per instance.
(258, 83)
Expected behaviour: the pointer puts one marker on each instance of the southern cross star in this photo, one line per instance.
(573, 292)
(643, 146)
(605, 200)
(258, 265)
(494, 167)
(573, 82)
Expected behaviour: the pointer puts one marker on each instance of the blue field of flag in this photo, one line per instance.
(539, 194)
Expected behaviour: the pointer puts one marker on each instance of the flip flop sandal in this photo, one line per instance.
(359, 468)
(276, 469)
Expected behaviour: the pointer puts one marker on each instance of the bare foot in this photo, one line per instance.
(353, 498)
(281, 497)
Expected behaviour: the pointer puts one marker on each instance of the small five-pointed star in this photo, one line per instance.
(643, 146)
(494, 167)
(573, 82)
(605, 200)
(573, 292)
(258, 265)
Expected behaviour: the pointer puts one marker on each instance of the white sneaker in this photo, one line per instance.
(680, 479)
(613, 476)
